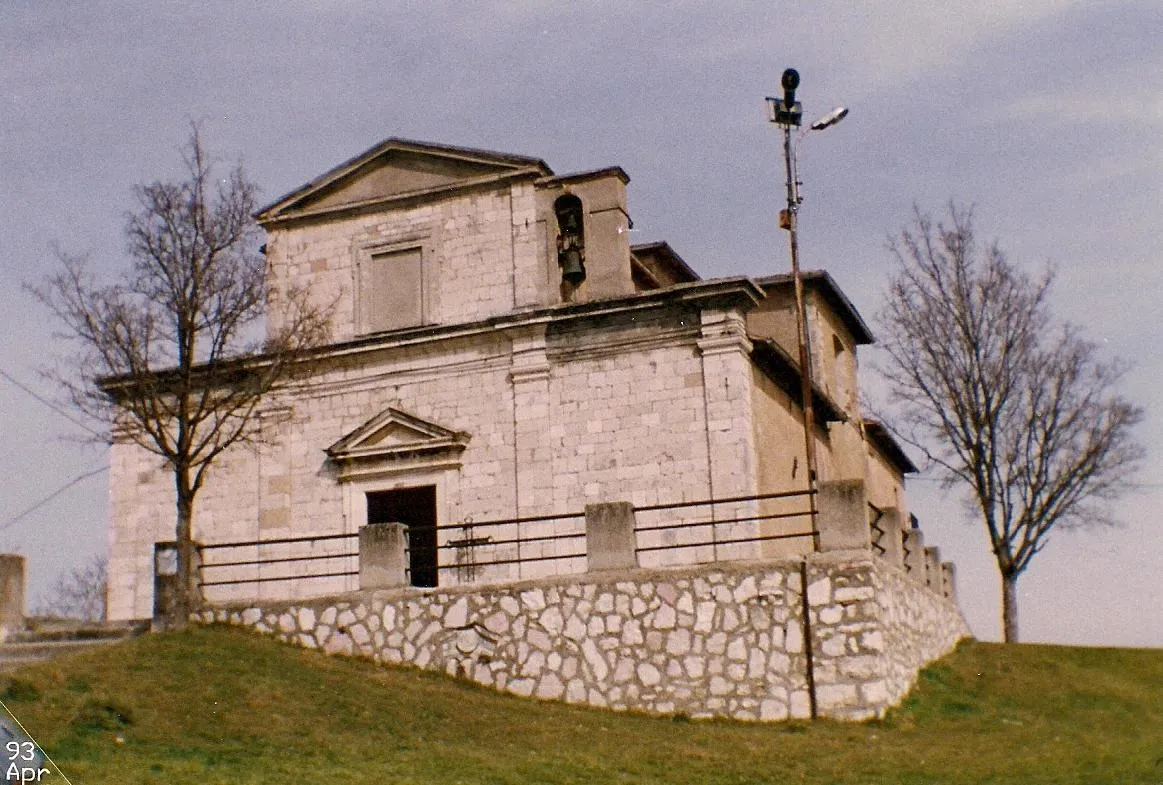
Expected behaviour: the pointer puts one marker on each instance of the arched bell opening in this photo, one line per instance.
(571, 244)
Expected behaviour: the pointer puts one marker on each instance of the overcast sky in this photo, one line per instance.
(1045, 115)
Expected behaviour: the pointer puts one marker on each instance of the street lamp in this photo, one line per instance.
(787, 113)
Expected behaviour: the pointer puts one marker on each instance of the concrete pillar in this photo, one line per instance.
(892, 524)
(166, 584)
(842, 515)
(383, 558)
(933, 568)
(610, 541)
(949, 580)
(11, 593)
(914, 554)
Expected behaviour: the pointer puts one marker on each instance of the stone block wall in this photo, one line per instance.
(476, 247)
(616, 409)
(725, 640)
(918, 622)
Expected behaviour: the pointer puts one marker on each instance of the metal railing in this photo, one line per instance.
(502, 549)
(475, 549)
(715, 529)
(479, 548)
(262, 554)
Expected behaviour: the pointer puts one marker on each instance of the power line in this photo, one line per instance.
(17, 518)
(4, 374)
(937, 479)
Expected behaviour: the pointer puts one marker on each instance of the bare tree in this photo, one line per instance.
(172, 356)
(1001, 397)
(79, 593)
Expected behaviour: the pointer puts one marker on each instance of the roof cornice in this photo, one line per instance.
(268, 220)
(518, 163)
(592, 174)
(721, 291)
(739, 290)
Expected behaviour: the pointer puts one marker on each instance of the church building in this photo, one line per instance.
(501, 351)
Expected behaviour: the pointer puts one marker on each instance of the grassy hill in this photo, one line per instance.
(223, 706)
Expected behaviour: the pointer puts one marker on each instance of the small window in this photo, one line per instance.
(391, 292)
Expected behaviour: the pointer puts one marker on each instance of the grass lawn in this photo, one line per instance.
(224, 706)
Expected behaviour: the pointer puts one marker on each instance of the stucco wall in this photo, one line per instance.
(719, 641)
(782, 467)
(834, 366)
(885, 485)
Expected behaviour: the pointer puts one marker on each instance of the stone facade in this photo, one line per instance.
(726, 640)
(589, 420)
(507, 387)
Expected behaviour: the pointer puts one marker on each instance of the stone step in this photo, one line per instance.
(79, 634)
(18, 654)
(46, 639)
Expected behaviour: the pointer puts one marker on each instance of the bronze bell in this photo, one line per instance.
(571, 241)
(572, 269)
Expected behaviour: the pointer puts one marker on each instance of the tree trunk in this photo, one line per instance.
(187, 596)
(1009, 607)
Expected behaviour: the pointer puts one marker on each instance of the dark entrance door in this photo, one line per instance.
(416, 508)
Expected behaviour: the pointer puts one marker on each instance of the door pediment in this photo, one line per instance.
(394, 440)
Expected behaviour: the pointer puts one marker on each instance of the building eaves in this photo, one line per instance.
(889, 447)
(785, 372)
(662, 249)
(591, 174)
(821, 281)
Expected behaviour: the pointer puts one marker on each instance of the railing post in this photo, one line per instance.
(933, 568)
(914, 546)
(165, 584)
(383, 560)
(610, 540)
(892, 522)
(843, 516)
(949, 580)
(11, 594)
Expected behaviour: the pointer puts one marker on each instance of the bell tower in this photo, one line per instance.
(587, 236)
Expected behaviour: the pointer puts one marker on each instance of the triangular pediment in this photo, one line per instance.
(398, 169)
(395, 434)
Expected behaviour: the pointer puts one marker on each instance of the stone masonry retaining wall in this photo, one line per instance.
(723, 640)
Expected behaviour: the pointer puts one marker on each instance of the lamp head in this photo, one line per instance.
(830, 119)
